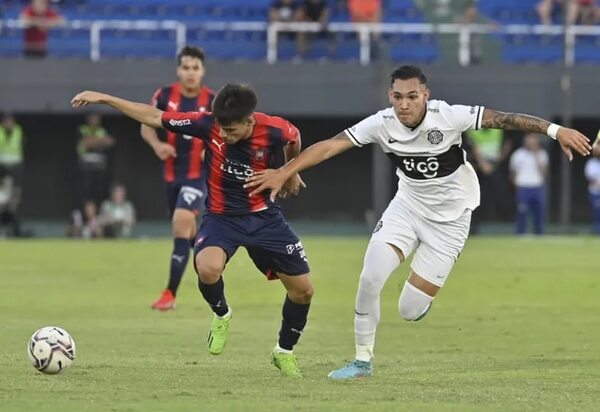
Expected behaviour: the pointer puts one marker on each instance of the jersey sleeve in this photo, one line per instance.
(464, 118)
(195, 124)
(158, 100)
(365, 131)
(290, 133)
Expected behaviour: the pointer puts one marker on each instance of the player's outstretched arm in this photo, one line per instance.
(569, 139)
(315, 154)
(143, 113)
(162, 150)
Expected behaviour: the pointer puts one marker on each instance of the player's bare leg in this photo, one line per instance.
(295, 312)
(184, 229)
(210, 263)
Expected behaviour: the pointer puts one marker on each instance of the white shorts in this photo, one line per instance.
(437, 245)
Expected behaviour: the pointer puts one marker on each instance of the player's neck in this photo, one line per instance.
(251, 130)
(418, 123)
(190, 92)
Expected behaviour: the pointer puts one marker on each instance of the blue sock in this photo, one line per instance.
(179, 259)
(292, 325)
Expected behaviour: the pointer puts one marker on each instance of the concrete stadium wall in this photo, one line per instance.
(303, 90)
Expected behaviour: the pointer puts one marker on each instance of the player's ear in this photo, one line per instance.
(390, 95)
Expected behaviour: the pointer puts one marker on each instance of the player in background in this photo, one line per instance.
(437, 190)
(239, 142)
(184, 174)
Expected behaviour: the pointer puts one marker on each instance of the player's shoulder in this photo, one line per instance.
(209, 91)
(263, 119)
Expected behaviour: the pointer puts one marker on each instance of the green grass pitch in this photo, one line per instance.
(517, 327)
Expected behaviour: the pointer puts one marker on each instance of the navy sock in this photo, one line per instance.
(214, 295)
(179, 259)
(294, 319)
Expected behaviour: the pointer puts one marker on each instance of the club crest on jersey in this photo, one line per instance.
(259, 154)
(435, 136)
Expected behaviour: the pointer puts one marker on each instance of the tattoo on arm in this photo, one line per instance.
(493, 119)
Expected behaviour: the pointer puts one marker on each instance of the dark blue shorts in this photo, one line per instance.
(270, 241)
(188, 195)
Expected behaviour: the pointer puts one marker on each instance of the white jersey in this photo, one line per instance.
(433, 174)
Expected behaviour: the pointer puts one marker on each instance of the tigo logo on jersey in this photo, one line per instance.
(428, 167)
(184, 122)
(435, 136)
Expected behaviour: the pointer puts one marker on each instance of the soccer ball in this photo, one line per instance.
(51, 349)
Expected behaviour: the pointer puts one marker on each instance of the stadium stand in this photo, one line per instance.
(252, 44)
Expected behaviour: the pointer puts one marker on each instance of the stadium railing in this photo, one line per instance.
(363, 31)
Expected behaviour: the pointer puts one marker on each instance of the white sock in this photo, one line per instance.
(364, 352)
(380, 261)
(227, 315)
(280, 349)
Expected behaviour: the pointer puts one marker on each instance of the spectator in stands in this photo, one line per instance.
(578, 11)
(365, 11)
(38, 18)
(85, 223)
(529, 167)
(312, 11)
(117, 214)
(93, 149)
(9, 222)
(11, 156)
(283, 11)
(592, 173)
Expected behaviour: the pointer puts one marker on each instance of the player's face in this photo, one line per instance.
(532, 142)
(409, 99)
(236, 131)
(190, 72)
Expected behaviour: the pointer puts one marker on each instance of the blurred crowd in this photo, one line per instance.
(103, 209)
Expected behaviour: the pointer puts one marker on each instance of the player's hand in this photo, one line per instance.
(292, 186)
(87, 97)
(164, 151)
(571, 139)
(265, 180)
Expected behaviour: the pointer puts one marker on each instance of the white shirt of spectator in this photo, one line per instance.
(528, 167)
(440, 199)
(592, 173)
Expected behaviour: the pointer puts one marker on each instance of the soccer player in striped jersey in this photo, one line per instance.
(184, 174)
(437, 190)
(239, 142)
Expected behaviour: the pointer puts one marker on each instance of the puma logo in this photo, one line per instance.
(172, 105)
(218, 145)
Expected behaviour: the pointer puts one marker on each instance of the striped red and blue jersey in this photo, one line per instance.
(188, 165)
(228, 166)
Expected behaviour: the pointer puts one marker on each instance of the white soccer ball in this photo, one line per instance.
(51, 349)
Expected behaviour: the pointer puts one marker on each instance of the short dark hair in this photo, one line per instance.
(191, 51)
(234, 103)
(408, 72)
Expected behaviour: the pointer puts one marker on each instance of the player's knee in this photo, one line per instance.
(302, 295)
(413, 304)
(370, 282)
(183, 223)
(208, 272)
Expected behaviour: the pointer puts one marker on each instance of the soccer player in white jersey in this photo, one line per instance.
(437, 191)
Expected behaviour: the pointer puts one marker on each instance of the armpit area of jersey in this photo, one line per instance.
(430, 167)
